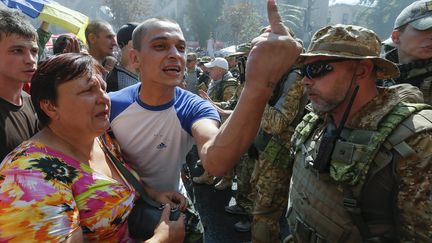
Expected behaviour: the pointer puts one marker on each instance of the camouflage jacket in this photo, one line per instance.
(224, 89)
(417, 73)
(279, 121)
(232, 102)
(412, 193)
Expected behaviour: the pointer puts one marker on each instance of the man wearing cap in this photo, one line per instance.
(204, 78)
(362, 158)
(222, 85)
(222, 88)
(412, 39)
(123, 74)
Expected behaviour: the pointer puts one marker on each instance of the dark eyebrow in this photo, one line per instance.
(164, 38)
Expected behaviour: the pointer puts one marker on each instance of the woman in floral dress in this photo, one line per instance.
(59, 185)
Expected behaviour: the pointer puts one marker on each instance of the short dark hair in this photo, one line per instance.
(124, 34)
(142, 29)
(95, 27)
(55, 71)
(13, 22)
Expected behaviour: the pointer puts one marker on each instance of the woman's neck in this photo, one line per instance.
(78, 147)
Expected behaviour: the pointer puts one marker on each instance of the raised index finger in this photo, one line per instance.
(275, 19)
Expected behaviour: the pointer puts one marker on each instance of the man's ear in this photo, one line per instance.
(395, 36)
(364, 69)
(134, 58)
(49, 109)
(92, 38)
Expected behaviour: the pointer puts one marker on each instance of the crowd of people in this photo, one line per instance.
(335, 138)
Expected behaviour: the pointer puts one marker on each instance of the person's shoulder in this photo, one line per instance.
(123, 98)
(130, 92)
(21, 156)
(231, 81)
(185, 96)
(188, 100)
(120, 69)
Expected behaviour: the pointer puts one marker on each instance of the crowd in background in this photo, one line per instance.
(335, 138)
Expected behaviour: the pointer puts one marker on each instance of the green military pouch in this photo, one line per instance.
(349, 162)
(277, 154)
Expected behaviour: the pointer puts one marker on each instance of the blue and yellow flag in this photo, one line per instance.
(53, 13)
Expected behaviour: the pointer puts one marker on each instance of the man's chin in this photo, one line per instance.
(320, 108)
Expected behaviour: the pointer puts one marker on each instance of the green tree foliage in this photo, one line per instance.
(293, 15)
(381, 15)
(242, 23)
(129, 11)
(201, 18)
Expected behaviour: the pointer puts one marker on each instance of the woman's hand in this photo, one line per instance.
(169, 231)
(171, 197)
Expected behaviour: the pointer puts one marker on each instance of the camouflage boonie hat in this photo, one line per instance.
(205, 59)
(418, 14)
(352, 42)
(242, 49)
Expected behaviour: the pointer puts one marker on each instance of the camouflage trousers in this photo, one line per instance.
(244, 171)
(194, 227)
(271, 183)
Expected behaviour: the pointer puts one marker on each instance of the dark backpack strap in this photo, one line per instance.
(136, 184)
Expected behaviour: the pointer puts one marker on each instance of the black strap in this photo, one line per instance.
(129, 176)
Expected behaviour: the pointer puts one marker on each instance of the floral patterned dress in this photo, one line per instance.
(45, 196)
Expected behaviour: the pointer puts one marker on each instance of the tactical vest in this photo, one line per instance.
(355, 201)
(217, 93)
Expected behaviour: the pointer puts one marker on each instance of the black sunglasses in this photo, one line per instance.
(319, 68)
(190, 60)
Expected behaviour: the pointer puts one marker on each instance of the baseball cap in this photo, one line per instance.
(124, 34)
(418, 15)
(218, 62)
(352, 42)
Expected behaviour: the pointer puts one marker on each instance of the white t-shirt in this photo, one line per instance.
(156, 139)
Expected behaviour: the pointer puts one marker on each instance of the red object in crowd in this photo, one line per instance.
(26, 87)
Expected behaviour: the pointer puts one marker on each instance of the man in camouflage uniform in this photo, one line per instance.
(222, 87)
(232, 64)
(204, 79)
(270, 178)
(363, 159)
(411, 40)
(243, 170)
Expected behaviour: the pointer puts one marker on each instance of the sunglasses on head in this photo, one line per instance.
(319, 68)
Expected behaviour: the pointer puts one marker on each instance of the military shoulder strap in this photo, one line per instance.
(230, 82)
(393, 131)
(342, 172)
(304, 129)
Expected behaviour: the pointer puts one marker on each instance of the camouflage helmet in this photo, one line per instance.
(205, 59)
(242, 49)
(418, 14)
(352, 42)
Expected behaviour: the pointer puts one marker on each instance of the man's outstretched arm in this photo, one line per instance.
(272, 55)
